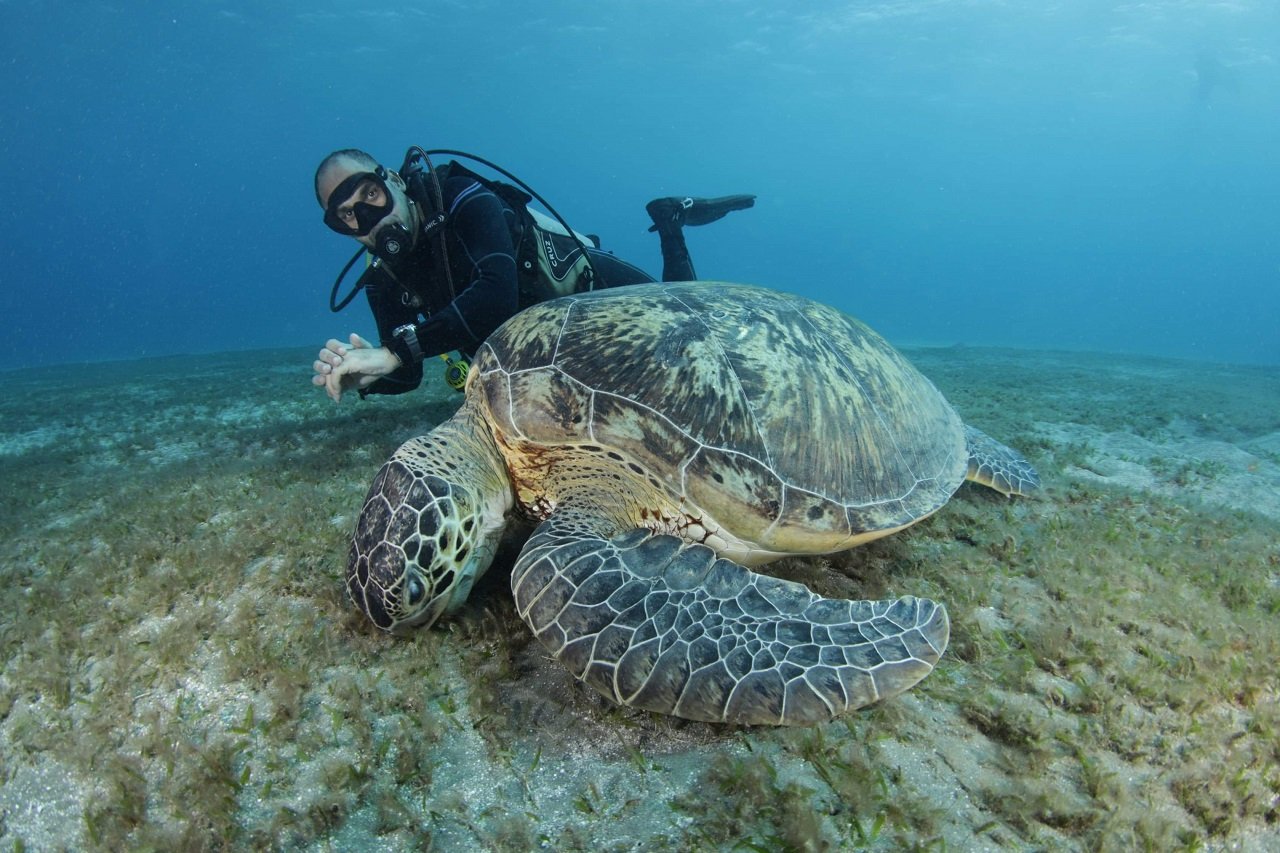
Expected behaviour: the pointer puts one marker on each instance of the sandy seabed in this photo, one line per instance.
(181, 669)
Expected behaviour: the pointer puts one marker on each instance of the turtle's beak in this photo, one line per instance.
(425, 618)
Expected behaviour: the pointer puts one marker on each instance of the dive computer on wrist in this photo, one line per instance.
(407, 337)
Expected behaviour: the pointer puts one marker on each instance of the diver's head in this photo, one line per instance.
(365, 201)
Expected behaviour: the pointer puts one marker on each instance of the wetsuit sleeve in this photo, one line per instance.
(491, 293)
(389, 313)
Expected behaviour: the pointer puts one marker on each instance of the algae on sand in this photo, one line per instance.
(182, 671)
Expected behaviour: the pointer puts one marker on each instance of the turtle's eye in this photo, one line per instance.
(415, 590)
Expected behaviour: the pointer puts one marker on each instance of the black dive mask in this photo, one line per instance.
(366, 216)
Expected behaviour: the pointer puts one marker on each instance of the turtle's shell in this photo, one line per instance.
(793, 425)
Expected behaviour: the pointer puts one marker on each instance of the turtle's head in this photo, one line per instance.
(419, 545)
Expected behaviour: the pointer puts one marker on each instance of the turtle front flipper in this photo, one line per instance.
(657, 623)
(997, 466)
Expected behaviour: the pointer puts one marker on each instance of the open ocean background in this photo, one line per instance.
(1048, 175)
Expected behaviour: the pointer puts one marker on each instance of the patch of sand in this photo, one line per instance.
(1178, 465)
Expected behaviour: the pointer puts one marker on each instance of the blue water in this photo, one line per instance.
(1082, 175)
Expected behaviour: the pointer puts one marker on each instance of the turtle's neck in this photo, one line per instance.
(461, 450)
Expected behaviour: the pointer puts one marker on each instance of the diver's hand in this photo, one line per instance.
(343, 367)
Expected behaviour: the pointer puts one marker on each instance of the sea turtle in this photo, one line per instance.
(664, 438)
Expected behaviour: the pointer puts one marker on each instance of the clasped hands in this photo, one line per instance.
(351, 366)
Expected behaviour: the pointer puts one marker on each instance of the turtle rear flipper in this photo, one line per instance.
(998, 466)
(653, 622)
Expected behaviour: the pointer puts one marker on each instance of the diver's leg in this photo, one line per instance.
(676, 263)
(671, 214)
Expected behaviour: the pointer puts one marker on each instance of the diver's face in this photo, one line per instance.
(358, 203)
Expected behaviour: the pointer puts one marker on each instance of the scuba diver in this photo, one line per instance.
(455, 254)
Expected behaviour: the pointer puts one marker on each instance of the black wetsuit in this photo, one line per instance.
(481, 231)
